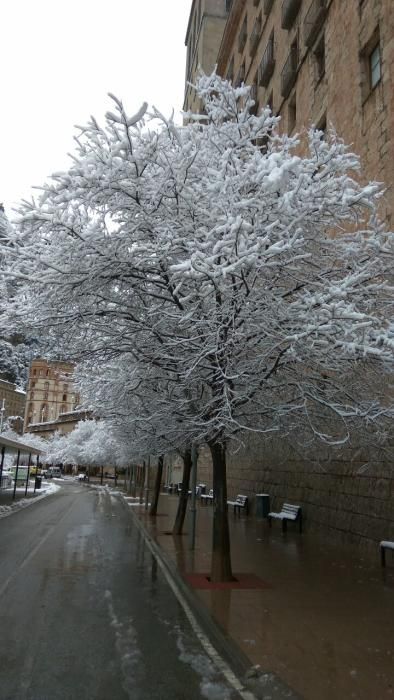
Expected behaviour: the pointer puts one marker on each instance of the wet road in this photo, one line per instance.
(85, 612)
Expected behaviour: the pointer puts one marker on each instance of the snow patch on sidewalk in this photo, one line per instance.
(210, 685)
(6, 510)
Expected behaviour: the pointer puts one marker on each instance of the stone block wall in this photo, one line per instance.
(346, 493)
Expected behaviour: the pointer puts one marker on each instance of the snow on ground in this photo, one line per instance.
(46, 490)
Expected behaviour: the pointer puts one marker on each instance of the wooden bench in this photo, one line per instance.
(383, 546)
(240, 502)
(207, 497)
(288, 512)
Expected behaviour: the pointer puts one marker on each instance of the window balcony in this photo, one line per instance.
(267, 6)
(289, 72)
(267, 64)
(290, 10)
(255, 36)
(313, 21)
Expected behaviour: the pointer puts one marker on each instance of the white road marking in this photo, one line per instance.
(209, 649)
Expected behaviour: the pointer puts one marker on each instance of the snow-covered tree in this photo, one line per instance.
(253, 278)
(89, 444)
(15, 353)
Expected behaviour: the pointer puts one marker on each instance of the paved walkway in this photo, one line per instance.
(323, 622)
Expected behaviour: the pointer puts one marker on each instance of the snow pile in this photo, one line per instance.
(24, 502)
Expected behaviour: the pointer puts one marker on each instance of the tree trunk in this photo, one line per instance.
(183, 496)
(133, 488)
(142, 482)
(221, 555)
(156, 493)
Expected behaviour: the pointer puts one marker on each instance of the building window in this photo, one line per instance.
(289, 70)
(63, 408)
(230, 71)
(32, 394)
(319, 55)
(375, 66)
(64, 397)
(292, 114)
(241, 75)
(255, 35)
(34, 372)
(44, 412)
(47, 373)
(371, 65)
(243, 35)
(46, 385)
(45, 394)
(33, 384)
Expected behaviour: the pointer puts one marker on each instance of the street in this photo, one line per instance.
(85, 611)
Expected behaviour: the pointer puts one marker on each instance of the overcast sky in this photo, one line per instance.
(58, 62)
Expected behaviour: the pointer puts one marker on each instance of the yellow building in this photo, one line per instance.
(12, 402)
(50, 392)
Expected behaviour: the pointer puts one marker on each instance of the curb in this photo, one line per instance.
(257, 684)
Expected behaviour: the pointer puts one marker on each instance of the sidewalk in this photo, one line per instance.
(323, 620)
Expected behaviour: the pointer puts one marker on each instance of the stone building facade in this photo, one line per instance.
(65, 423)
(204, 33)
(12, 402)
(50, 392)
(321, 62)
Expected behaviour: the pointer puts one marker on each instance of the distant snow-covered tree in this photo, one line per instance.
(252, 277)
(15, 353)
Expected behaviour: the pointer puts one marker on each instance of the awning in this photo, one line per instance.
(16, 445)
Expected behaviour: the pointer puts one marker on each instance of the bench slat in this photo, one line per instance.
(288, 512)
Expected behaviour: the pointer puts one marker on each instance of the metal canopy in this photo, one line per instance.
(15, 446)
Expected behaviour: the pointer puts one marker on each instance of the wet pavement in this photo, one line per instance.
(323, 622)
(86, 612)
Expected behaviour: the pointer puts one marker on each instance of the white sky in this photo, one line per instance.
(59, 59)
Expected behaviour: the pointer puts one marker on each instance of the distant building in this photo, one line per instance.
(204, 34)
(12, 403)
(315, 62)
(65, 423)
(50, 392)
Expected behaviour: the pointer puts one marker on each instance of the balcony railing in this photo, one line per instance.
(290, 10)
(255, 36)
(267, 6)
(289, 72)
(267, 64)
(313, 21)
